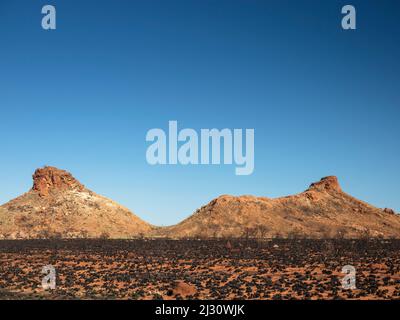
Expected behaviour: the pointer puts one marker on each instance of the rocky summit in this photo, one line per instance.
(59, 206)
(49, 180)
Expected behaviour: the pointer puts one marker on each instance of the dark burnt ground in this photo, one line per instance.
(204, 269)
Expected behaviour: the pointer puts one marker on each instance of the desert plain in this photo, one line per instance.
(278, 269)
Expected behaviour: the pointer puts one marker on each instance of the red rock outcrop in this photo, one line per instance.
(390, 211)
(48, 179)
(329, 183)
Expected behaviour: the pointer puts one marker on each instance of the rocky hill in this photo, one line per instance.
(58, 205)
(322, 211)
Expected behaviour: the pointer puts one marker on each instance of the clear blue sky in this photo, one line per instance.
(322, 101)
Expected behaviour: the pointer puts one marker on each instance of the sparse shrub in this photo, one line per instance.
(105, 235)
